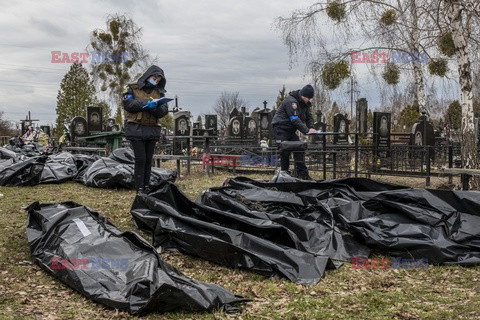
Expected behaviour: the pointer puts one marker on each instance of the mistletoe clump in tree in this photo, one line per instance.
(121, 56)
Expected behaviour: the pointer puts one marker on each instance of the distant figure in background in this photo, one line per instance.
(292, 115)
(142, 125)
(29, 135)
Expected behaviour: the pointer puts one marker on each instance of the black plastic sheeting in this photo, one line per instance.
(18, 169)
(118, 171)
(291, 229)
(440, 225)
(59, 168)
(83, 162)
(29, 150)
(24, 172)
(82, 249)
(234, 240)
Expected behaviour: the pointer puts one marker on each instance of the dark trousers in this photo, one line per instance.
(143, 151)
(298, 156)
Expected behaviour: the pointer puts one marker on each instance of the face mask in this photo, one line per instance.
(152, 82)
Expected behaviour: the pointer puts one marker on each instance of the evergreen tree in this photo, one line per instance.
(106, 110)
(167, 121)
(76, 93)
(282, 94)
(408, 116)
(118, 115)
(453, 116)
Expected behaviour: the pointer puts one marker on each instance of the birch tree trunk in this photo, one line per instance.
(459, 32)
(414, 47)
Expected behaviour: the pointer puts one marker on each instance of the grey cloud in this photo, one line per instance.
(48, 27)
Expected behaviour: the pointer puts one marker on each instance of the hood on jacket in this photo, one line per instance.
(298, 97)
(153, 70)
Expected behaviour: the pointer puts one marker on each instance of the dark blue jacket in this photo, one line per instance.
(293, 114)
(135, 97)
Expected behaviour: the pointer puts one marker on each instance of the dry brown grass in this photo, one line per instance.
(446, 292)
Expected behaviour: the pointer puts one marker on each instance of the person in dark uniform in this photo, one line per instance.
(142, 126)
(292, 115)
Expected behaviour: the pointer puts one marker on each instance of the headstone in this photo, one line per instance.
(250, 128)
(109, 125)
(362, 115)
(181, 120)
(340, 126)
(381, 133)
(211, 123)
(422, 132)
(78, 127)
(319, 125)
(182, 123)
(234, 113)
(265, 124)
(94, 116)
(235, 127)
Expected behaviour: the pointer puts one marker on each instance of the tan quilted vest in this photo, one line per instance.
(143, 117)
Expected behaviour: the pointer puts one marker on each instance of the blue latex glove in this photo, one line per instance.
(151, 105)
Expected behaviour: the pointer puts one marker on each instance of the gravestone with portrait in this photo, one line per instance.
(181, 121)
(182, 127)
(250, 126)
(78, 128)
(265, 124)
(381, 134)
(94, 116)
(110, 125)
(321, 125)
(211, 124)
(422, 133)
(340, 127)
(362, 116)
(235, 127)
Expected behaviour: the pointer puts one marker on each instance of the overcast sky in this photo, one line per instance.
(204, 47)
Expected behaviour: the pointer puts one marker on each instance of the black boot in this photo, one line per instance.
(304, 176)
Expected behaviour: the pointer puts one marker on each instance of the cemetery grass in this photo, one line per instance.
(27, 292)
